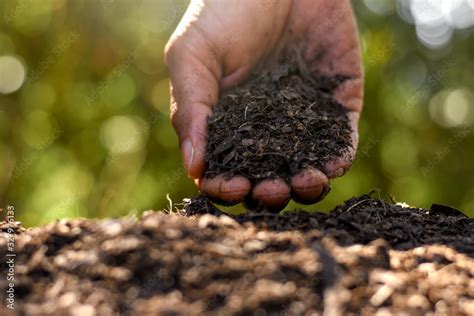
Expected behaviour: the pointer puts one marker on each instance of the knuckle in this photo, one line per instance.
(178, 120)
(169, 47)
(173, 49)
(174, 116)
(170, 51)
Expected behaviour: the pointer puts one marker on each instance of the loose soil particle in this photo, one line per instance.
(365, 257)
(277, 124)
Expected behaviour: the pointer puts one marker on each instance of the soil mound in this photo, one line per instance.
(190, 263)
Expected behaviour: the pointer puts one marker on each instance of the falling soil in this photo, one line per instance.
(366, 256)
(277, 124)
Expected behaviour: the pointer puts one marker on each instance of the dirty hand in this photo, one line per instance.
(219, 43)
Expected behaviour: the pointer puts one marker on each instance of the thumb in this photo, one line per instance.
(194, 89)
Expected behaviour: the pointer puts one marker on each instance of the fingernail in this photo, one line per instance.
(188, 154)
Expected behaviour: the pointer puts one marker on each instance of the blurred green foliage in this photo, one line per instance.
(88, 132)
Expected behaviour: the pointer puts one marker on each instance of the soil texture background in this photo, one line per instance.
(365, 257)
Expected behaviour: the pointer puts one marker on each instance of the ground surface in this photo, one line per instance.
(365, 257)
(277, 124)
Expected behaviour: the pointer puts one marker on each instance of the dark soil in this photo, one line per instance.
(253, 264)
(363, 219)
(277, 124)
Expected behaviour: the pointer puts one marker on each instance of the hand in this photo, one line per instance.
(219, 43)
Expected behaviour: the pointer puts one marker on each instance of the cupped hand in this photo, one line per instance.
(218, 44)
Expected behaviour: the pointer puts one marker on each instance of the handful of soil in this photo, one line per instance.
(277, 124)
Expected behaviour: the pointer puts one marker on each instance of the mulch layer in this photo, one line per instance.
(280, 122)
(365, 257)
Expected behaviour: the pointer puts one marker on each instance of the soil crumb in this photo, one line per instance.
(365, 257)
(278, 123)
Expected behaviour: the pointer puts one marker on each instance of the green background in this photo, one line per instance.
(88, 133)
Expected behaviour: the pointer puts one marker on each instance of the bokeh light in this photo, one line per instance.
(12, 74)
(436, 20)
(451, 107)
(382, 7)
(122, 134)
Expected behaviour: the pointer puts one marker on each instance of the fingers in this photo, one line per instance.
(194, 89)
(226, 191)
(191, 126)
(309, 186)
(273, 195)
(339, 166)
(350, 94)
